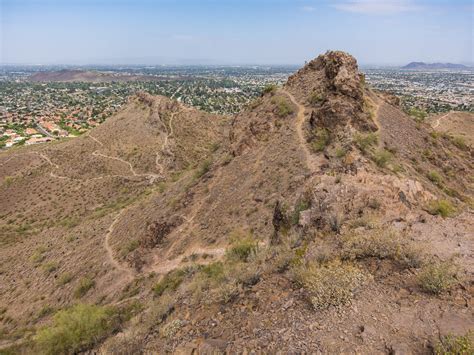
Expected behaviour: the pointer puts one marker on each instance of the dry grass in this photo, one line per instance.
(381, 244)
(330, 284)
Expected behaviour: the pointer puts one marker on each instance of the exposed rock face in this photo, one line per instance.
(335, 89)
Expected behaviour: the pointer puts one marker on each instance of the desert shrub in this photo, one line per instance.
(49, 267)
(130, 246)
(315, 98)
(214, 271)
(85, 284)
(435, 177)
(381, 244)
(365, 141)
(76, 329)
(159, 311)
(340, 152)
(64, 279)
(242, 247)
(270, 89)
(382, 157)
(459, 142)
(301, 205)
(444, 208)
(417, 113)
(437, 277)
(38, 255)
(284, 108)
(455, 345)
(170, 282)
(321, 139)
(169, 330)
(203, 168)
(331, 284)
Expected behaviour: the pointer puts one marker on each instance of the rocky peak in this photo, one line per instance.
(332, 86)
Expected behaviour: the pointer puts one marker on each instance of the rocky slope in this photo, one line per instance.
(320, 218)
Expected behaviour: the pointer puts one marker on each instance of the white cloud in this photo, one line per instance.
(376, 7)
(308, 8)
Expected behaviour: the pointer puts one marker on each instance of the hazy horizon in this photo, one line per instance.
(209, 32)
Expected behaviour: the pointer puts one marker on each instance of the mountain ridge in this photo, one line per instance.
(435, 66)
(295, 225)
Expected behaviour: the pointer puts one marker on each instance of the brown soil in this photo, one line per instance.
(161, 187)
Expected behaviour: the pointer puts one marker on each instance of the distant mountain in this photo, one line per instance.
(422, 65)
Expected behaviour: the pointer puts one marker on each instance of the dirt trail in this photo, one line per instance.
(438, 121)
(312, 161)
(126, 271)
(152, 177)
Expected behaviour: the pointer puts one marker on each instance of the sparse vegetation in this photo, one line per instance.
(301, 205)
(130, 246)
(365, 141)
(270, 89)
(76, 329)
(50, 267)
(64, 279)
(284, 108)
(203, 169)
(455, 345)
(459, 142)
(381, 244)
(242, 247)
(382, 157)
(435, 177)
(417, 113)
(330, 284)
(444, 208)
(85, 284)
(437, 277)
(170, 282)
(321, 139)
(315, 98)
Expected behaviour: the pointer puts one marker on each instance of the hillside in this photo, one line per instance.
(434, 66)
(458, 125)
(320, 218)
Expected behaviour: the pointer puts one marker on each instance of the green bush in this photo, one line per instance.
(382, 157)
(170, 281)
(85, 284)
(459, 142)
(365, 141)
(321, 139)
(64, 279)
(444, 208)
(242, 248)
(435, 177)
(76, 329)
(437, 277)
(315, 98)
(417, 113)
(284, 108)
(203, 168)
(270, 89)
(302, 205)
(456, 345)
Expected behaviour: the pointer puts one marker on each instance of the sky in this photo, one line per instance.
(376, 32)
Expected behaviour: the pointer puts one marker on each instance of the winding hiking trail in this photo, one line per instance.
(312, 161)
(438, 121)
(125, 270)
